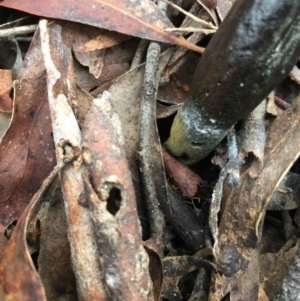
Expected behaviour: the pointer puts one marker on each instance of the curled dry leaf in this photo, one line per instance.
(137, 18)
(19, 280)
(112, 203)
(6, 103)
(65, 128)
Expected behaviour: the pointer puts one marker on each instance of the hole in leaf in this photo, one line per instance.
(114, 201)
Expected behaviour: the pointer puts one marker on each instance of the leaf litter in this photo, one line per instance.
(88, 212)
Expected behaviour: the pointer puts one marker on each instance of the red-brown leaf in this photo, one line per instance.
(27, 152)
(137, 18)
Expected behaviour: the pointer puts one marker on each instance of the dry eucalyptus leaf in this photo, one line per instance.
(253, 137)
(186, 179)
(138, 18)
(112, 203)
(19, 279)
(27, 153)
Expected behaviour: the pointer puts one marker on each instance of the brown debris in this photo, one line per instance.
(187, 180)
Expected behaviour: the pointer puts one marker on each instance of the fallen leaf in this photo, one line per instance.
(244, 207)
(112, 204)
(138, 18)
(105, 40)
(26, 153)
(19, 280)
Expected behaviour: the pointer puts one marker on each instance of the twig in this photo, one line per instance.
(139, 54)
(4, 33)
(12, 23)
(200, 21)
(191, 29)
(146, 151)
(148, 113)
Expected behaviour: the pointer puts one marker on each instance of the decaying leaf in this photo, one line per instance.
(112, 203)
(67, 139)
(244, 208)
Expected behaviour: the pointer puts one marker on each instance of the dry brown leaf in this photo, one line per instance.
(27, 153)
(115, 64)
(137, 18)
(105, 40)
(186, 179)
(19, 280)
(244, 208)
(112, 203)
